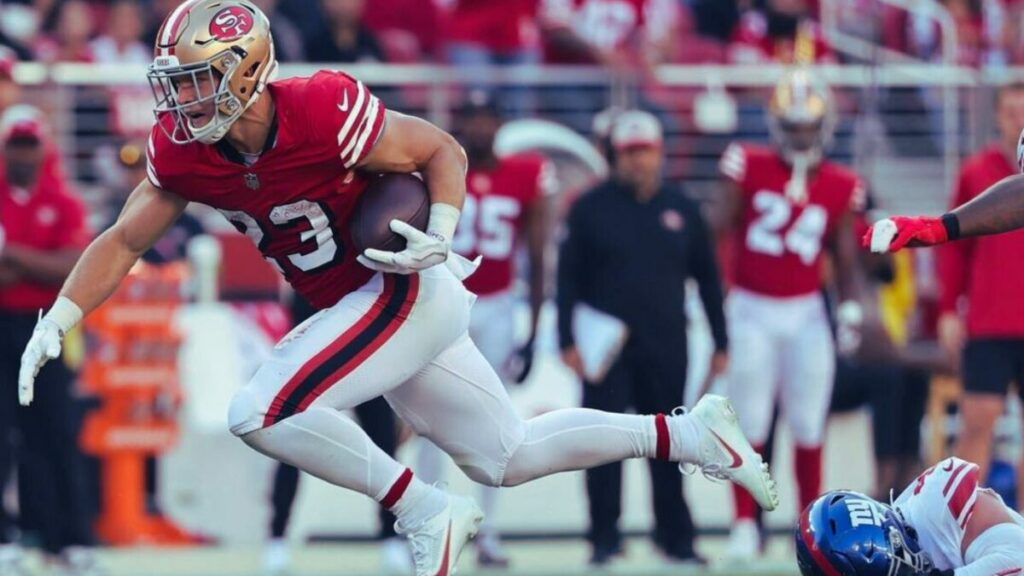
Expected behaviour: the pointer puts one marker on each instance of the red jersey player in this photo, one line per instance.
(786, 206)
(506, 204)
(286, 162)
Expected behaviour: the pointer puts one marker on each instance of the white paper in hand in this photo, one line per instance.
(599, 339)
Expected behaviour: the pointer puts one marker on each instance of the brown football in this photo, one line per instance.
(389, 197)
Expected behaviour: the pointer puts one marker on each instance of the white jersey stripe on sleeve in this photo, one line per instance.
(172, 22)
(150, 157)
(355, 112)
(371, 120)
(151, 173)
(734, 162)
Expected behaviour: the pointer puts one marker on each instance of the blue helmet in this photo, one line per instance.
(846, 533)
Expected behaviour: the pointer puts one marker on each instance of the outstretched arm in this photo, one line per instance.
(998, 209)
(148, 213)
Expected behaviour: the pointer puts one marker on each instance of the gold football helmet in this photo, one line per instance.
(801, 115)
(213, 60)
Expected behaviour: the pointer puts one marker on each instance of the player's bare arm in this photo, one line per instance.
(728, 209)
(410, 144)
(995, 211)
(148, 213)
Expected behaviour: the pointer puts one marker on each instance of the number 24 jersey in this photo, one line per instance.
(779, 242)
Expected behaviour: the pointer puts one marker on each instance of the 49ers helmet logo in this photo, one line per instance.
(231, 23)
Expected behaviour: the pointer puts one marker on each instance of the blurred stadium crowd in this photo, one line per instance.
(922, 309)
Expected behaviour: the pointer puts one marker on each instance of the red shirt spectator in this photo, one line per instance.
(417, 22)
(762, 38)
(40, 218)
(502, 27)
(981, 269)
(607, 31)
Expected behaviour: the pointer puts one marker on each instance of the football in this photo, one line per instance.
(389, 197)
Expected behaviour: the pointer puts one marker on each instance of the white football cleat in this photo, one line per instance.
(438, 541)
(725, 453)
(744, 542)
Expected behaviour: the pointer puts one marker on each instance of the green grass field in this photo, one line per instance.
(560, 558)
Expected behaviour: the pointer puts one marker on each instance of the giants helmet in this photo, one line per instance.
(845, 533)
(801, 115)
(225, 44)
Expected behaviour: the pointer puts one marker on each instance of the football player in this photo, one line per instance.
(943, 524)
(286, 162)
(785, 207)
(507, 205)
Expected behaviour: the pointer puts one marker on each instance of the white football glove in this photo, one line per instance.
(422, 250)
(43, 346)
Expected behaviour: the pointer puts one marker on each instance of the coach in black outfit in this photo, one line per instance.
(632, 243)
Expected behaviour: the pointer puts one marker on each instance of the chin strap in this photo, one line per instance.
(796, 188)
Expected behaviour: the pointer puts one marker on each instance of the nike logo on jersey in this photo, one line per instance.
(344, 101)
(737, 460)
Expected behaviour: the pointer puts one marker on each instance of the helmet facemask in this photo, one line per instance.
(906, 556)
(220, 105)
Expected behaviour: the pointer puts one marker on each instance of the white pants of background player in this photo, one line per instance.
(781, 350)
(406, 337)
(492, 329)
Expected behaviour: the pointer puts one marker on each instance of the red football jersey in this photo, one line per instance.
(294, 202)
(779, 243)
(608, 24)
(505, 27)
(494, 214)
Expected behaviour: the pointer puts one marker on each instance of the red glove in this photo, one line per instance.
(892, 234)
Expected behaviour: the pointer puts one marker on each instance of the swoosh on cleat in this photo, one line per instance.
(737, 460)
(447, 551)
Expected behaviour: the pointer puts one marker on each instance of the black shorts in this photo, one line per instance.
(990, 365)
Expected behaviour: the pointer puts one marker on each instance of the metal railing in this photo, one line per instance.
(928, 134)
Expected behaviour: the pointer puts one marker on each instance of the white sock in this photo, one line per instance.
(580, 438)
(417, 503)
(685, 432)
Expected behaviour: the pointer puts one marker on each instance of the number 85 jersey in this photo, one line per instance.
(779, 242)
(295, 200)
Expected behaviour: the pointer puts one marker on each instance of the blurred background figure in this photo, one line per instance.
(982, 308)
(288, 43)
(785, 207)
(632, 244)
(507, 211)
(10, 91)
(344, 37)
(44, 231)
(484, 33)
(121, 41)
(67, 31)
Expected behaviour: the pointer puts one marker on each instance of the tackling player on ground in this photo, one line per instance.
(943, 524)
(286, 163)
